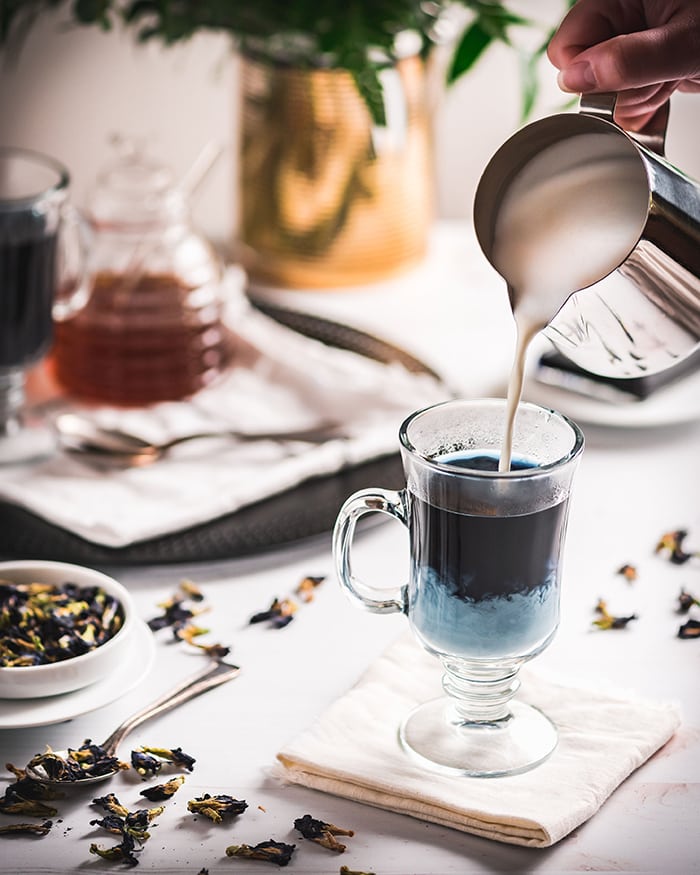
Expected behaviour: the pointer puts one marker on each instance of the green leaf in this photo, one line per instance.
(474, 41)
(370, 88)
(92, 12)
(529, 85)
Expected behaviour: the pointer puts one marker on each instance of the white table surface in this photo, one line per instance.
(632, 486)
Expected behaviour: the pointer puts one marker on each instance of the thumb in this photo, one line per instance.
(635, 60)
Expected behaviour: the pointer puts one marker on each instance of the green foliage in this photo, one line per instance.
(356, 35)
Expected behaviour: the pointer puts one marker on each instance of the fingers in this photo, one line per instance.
(636, 107)
(663, 48)
(588, 23)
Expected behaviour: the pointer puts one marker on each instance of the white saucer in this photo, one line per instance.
(675, 404)
(23, 713)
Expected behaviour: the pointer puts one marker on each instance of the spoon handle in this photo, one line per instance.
(317, 434)
(204, 680)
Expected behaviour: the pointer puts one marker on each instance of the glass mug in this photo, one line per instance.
(485, 573)
(41, 279)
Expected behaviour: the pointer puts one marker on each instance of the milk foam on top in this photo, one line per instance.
(569, 218)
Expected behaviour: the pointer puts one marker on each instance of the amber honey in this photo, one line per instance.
(140, 340)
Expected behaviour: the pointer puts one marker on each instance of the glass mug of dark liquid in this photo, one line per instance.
(485, 573)
(40, 278)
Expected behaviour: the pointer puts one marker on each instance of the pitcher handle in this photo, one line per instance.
(367, 501)
(652, 137)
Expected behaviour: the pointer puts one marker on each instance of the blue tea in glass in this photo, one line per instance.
(485, 573)
(485, 586)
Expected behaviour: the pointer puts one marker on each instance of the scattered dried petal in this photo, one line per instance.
(161, 792)
(270, 851)
(174, 755)
(672, 544)
(321, 832)
(608, 621)
(191, 590)
(217, 807)
(690, 629)
(686, 602)
(280, 613)
(345, 871)
(39, 829)
(121, 853)
(146, 765)
(13, 803)
(306, 587)
(629, 572)
(189, 632)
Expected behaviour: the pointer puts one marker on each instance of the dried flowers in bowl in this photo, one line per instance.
(62, 627)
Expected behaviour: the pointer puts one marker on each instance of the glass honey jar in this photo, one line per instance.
(152, 327)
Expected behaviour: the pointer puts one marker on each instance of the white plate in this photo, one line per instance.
(675, 404)
(22, 713)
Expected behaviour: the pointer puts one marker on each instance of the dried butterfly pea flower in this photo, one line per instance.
(28, 788)
(132, 826)
(112, 804)
(270, 851)
(121, 853)
(686, 602)
(280, 613)
(321, 832)
(46, 623)
(217, 807)
(189, 632)
(87, 761)
(191, 590)
(608, 621)
(175, 614)
(671, 544)
(690, 629)
(629, 572)
(174, 755)
(146, 765)
(305, 588)
(161, 792)
(13, 803)
(39, 829)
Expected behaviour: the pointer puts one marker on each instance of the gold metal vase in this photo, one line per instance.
(326, 199)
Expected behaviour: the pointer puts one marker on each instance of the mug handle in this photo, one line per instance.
(73, 289)
(366, 501)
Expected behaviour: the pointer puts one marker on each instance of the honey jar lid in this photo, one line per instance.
(136, 191)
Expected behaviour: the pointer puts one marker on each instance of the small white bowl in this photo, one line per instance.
(76, 672)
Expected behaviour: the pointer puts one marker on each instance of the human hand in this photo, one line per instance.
(643, 50)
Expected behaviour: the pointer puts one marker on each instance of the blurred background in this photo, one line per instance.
(72, 87)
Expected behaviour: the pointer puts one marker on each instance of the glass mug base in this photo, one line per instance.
(436, 737)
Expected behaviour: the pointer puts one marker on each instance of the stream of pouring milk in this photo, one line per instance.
(570, 217)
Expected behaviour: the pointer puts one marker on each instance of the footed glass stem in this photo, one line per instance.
(23, 437)
(477, 729)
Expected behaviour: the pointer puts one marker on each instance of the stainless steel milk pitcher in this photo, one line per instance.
(644, 317)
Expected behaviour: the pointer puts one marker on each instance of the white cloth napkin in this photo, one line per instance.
(281, 380)
(353, 751)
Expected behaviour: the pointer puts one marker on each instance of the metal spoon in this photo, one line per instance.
(81, 436)
(212, 676)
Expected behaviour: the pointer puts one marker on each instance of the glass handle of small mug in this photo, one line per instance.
(367, 501)
(72, 287)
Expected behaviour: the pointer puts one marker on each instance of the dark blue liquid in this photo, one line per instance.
(485, 586)
(27, 287)
(483, 461)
